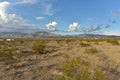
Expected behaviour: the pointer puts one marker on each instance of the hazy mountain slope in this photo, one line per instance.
(27, 35)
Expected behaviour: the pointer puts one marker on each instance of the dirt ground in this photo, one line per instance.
(27, 64)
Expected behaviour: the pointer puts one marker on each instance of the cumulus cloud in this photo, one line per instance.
(74, 27)
(3, 16)
(51, 26)
(11, 22)
(40, 18)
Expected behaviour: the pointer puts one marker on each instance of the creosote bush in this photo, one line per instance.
(39, 47)
(113, 42)
(78, 69)
(84, 44)
(91, 50)
(6, 55)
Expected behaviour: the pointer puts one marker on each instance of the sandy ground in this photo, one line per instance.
(33, 66)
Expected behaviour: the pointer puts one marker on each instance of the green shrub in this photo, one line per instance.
(91, 50)
(7, 56)
(60, 78)
(78, 69)
(84, 44)
(97, 43)
(22, 41)
(39, 47)
(113, 42)
(100, 74)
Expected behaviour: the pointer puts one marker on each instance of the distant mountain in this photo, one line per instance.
(27, 35)
(91, 36)
(40, 34)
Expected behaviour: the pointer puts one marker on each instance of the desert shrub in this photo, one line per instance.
(84, 44)
(60, 78)
(7, 56)
(39, 47)
(113, 42)
(100, 74)
(59, 40)
(2, 43)
(91, 50)
(68, 41)
(97, 43)
(78, 69)
(22, 41)
(74, 68)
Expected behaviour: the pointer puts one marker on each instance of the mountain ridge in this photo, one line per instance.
(42, 34)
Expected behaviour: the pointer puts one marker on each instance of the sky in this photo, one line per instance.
(61, 16)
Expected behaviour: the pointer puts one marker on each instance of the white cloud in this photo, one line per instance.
(92, 19)
(26, 1)
(12, 22)
(51, 26)
(3, 16)
(40, 18)
(46, 6)
(74, 27)
(117, 33)
(47, 9)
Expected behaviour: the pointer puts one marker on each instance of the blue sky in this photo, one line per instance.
(61, 16)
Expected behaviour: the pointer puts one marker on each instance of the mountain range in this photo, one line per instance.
(20, 35)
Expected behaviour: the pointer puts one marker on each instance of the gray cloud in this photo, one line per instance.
(114, 21)
(116, 12)
(107, 25)
(92, 29)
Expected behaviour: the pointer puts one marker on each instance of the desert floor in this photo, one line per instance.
(60, 59)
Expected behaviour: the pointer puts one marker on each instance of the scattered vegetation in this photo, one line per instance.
(21, 54)
(83, 44)
(91, 50)
(113, 42)
(39, 47)
(78, 69)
